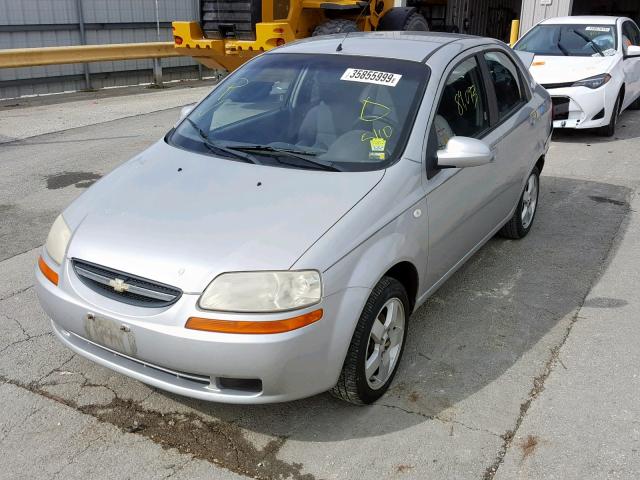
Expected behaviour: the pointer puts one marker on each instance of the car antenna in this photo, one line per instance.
(339, 47)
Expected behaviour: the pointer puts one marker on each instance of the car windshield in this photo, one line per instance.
(570, 40)
(323, 112)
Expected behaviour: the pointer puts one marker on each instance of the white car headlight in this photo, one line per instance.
(58, 240)
(593, 82)
(262, 291)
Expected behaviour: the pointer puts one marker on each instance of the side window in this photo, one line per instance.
(630, 35)
(506, 81)
(463, 107)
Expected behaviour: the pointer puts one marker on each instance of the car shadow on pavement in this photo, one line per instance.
(471, 334)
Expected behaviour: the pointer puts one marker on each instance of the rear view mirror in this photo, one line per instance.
(462, 152)
(633, 51)
(186, 111)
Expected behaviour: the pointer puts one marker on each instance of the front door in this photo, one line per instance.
(460, 211)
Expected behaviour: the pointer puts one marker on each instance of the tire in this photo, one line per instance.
(354, 385)
(403, 19)
(338, 25)
(610, 129)
(416, 23)
(517, 228)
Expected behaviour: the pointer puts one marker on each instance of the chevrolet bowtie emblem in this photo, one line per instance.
(119, 285)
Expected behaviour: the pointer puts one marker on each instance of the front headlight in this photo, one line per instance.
(593, 82)
(58, 240)
(262, 291)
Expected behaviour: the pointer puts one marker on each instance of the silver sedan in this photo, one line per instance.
(275, 242)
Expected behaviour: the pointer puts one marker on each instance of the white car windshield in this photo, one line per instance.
(570, 40)
(331, 112)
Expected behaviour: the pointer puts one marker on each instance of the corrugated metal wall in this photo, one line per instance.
(533, 12)
(490, 18)
(45, 23)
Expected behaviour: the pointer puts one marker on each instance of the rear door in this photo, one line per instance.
(631, 66)
(516, 129)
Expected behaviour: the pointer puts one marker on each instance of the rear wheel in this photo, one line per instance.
(376, 346)
(338, 25)
(403, 19)
(416, 23)
(520, 224)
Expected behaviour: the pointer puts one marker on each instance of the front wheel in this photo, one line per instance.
(520, 224)
(610, 129)
(376, 346)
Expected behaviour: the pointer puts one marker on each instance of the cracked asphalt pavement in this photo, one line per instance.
(523, 365)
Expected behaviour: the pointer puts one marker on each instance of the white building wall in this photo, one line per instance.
(534, 11)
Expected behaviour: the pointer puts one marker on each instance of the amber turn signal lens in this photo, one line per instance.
(178, 40)
(47, 271)
(252, 327)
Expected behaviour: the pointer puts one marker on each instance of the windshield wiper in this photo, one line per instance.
(595, 47)
(279, 153)
(216, 148)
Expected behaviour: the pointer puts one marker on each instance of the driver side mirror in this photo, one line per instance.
(633, 51)
(462, 152)
(186, 111)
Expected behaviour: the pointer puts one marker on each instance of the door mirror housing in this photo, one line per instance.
(462, 152)
(186, 111)
(633, 51)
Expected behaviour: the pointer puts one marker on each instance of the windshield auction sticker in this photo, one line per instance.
(371, 76)
(598, 29)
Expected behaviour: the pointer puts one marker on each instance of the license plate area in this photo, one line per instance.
(110, 333)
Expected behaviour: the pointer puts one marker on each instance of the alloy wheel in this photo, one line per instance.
(385, 343)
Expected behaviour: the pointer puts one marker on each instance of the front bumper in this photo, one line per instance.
(159, 351)
(582, 107)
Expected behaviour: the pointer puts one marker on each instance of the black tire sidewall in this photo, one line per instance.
(393, 289)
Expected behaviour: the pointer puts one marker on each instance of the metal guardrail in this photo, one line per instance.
(31, 57)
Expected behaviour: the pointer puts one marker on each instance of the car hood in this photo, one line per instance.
(557, 69)
(182, 218)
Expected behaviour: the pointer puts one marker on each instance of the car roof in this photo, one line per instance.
(413, 46)
(581, 19)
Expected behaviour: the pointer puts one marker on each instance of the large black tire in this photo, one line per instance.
(353, 385)
(338, 25)
(416, 23)
(515, 228)
(610, 129)
(403, 19)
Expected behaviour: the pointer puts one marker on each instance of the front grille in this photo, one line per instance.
(125, 287)
(231, 18)
(557, 85)
(560, 108)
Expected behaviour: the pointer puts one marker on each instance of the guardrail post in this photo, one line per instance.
(157, 72)
(83, 41)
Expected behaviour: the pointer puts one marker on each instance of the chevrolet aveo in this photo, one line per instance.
(275, 242)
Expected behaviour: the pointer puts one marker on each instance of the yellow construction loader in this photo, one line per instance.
(233, 31)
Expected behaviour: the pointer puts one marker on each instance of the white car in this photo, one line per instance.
(589, 65)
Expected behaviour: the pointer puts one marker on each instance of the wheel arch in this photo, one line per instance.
(406, 273)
